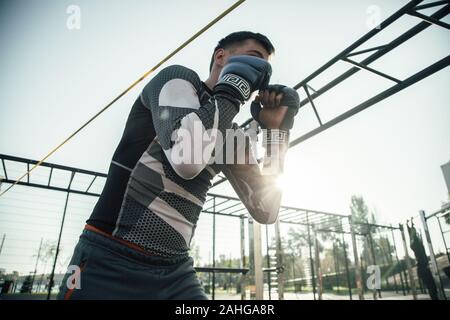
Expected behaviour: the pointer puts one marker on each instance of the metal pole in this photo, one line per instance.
(269, 275)
(3, 241)
(242, 257)
(37, 261)
(443, 239)
(52, 275)
(374, 261)
(318, 269)
(313, 276)
(434, 267)
(359, 286)
(390, 261)
(347, 271)
(336, 265)
(214, 250)
(398, 263)
(412, 282)
(280, 262)
(259, 285)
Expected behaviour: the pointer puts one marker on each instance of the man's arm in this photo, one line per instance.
(256, 185)
(182, 123)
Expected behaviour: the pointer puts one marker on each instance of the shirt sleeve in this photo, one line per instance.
(255, 181)
(187, 131)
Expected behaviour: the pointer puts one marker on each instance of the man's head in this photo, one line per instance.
(240, 43)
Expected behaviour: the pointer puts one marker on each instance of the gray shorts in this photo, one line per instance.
(111, 270)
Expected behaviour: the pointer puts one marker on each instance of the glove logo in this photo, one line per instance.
(239, 83)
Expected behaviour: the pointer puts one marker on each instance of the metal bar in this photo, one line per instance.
(52, 275)
(359, 285)
(216, 205)
(43, 186)
(312, 89)
(28, 173)
(441, 64)
(318, 267)
(232, 206)
(280, 262)
(222, 270)
(429, 19)
(47, 164)
(336, 265)
(3, 242)
(4, 169)
(259, 286)
(219, 182)
(398, 263)
(347, 271)
(443, 239)
(312, 104)
(360, 41)
(434, 266)
(355, 53)
(374, 261)
(379, 73)
(390, 46)
(214, 250)
(412, 282)
(222, 214)
(313, 276)
(430, 5)
(36, 265)
(268, 269)
(243, 263)
(444, 209)
(92, 182)
(50, 177)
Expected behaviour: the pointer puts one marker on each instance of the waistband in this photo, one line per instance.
(128, 249)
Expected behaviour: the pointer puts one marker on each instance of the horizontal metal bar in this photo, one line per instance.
(379, 97)
(219, 182)
(429, 19)
(218, 204)
(51, 165)
(430, 5)
(379, 73)
(43, 186)
(222, 270)
(390, 46)
(360, 41)
(355, 53)
(222, 214)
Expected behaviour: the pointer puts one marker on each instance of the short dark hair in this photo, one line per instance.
(241, 36)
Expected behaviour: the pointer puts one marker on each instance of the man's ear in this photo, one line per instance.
(219, 57)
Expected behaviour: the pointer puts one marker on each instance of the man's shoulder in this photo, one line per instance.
(170, 84)
(179, 72)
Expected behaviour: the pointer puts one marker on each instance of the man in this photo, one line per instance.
(178, 136)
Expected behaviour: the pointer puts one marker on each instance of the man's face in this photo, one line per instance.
(249, 47)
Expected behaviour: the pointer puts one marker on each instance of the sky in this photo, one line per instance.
(55, 78)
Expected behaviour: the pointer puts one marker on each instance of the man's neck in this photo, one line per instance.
(212, 80)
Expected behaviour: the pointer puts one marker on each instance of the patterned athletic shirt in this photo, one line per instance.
(154, 202)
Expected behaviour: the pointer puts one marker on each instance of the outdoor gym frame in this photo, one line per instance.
(312, 219)
(215, 204)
